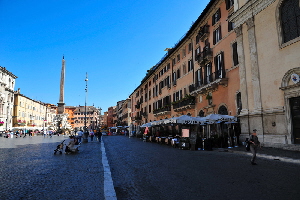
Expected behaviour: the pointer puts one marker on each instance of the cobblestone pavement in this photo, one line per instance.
(30, 170)
(151, 171)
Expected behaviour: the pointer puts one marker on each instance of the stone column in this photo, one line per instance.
(254, 67)
(242, 70)
(244, 115)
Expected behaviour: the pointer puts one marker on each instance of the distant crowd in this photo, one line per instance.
(23, 133)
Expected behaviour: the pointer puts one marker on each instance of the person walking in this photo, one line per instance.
(92, 135)
(254, 144)
(99, 134)
(79, 135)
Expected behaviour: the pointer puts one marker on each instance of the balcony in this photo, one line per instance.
(162, 111)
(209, 83)
(205, 56)
(138, 118)
(145, 114)
(203, 32)
(186, 103)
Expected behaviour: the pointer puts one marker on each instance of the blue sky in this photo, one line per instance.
(114, 41)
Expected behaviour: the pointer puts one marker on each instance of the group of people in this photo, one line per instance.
(18, 133)
(91, 133)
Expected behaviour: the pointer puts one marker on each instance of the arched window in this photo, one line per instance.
(223, 110)
(290, 19)
(201, 113)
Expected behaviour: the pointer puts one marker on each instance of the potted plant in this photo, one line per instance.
(208, 96)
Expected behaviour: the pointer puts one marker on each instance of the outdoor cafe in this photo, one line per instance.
(195, 133)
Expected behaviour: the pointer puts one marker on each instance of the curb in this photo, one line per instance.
(270, 157)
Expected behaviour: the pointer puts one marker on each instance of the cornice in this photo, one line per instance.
(250, 9)
(4, 70)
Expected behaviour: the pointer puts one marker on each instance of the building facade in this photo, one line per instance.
(110, 116)
(268, 46)
(7, 84)
(86, 116)
(32, 114)
(126, 112)
(198, 76)
(70, 111)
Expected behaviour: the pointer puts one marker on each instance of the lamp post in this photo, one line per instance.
(100, 118)
(7, 113)
(86, 133)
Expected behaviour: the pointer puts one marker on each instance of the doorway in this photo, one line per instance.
(295, 114)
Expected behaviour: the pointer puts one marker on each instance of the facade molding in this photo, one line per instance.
(250, 9)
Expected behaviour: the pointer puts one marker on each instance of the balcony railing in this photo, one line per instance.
(162, 109)
(209, 81)
(203, 33)
(137, 118)
(184, 102)
(137, 106)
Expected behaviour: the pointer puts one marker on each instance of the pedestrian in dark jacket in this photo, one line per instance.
(254, 144)
(99, 135)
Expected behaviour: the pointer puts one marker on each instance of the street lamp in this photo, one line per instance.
(100, 118)
(86, 133)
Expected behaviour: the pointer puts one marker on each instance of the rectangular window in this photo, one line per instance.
(219, 66)
(190, 65)
(174, 78)
(197, 39)
(173, 62)
(183, 52)
(230, 26)
(190, 47)
(178, 73)
(216, 17)
(184, 68)
(229, 4)
(208, 73)
(178, 58)
(197, 53)
(217, 36)
(168, 82)
(198, 79)
(235, 54)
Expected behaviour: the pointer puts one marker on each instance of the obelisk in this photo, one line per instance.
(61, 104)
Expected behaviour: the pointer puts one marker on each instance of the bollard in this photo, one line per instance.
(229, 142)
(235, 141)
(203, 144)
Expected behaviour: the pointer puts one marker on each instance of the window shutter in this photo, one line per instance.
(201, 76)
(222, 65)
(234, 54)
(227, 4)
(216, 66)
(214, 37)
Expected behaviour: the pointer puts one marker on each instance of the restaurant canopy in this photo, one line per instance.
(186, 119)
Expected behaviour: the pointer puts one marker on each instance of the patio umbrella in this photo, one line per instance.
(146, 125)
(185, 119)
(201, 120)
(159, 122)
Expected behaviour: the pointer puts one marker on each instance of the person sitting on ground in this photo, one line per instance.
(70, 144)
